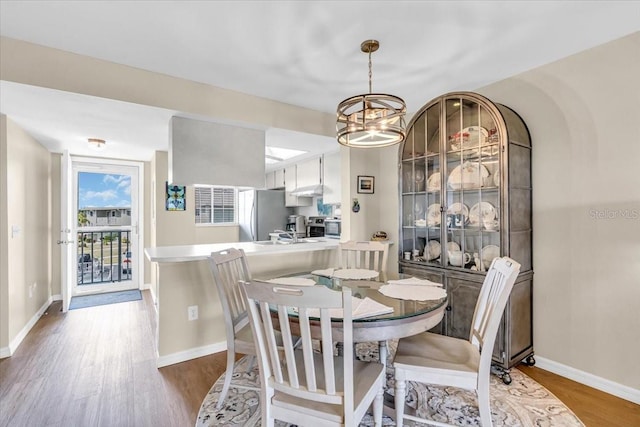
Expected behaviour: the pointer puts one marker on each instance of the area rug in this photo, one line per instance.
(523, 403)
(85, 301)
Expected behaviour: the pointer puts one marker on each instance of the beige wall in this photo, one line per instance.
(4, 238)
(378, 211)
(26, 276)
(179, 227)
(583, 114)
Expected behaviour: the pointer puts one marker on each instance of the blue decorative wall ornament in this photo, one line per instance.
(356, 206)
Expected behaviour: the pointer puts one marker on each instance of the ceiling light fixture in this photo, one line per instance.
(373, 119)
(96, 144)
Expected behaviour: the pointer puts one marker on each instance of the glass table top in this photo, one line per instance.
(402, 309)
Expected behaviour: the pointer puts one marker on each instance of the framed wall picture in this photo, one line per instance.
(176, 197)
(365, 184)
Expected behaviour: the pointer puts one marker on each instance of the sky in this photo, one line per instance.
(103, 190)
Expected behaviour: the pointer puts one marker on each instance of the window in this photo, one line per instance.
(215, 205)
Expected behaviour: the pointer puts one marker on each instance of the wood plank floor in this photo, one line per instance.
(96, 367)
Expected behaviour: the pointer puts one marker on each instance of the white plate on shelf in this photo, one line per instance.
(453, 247)
(433, 214)
(433, 183)
(420, 222)
(472, 136)
(496, 178)
(419, 176)
(433, 250)
(482, 212)
(458, 208)
(477, 135)
(468, 175)
(489, 252)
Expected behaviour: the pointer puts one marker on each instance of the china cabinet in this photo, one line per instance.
(465, 190)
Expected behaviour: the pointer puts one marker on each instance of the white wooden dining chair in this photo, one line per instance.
(310, 388)
(229, 267)
(437, 359)
(367, 255)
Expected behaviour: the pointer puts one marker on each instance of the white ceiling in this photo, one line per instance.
(302, 53)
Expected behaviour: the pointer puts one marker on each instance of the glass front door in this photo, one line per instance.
(107, 227)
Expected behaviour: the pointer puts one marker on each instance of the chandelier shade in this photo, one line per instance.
(373, 119)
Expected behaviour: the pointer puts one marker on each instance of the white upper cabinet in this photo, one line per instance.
(290, 186)
(275, 179)
(309, 173)
(331, 179)
(279, 178)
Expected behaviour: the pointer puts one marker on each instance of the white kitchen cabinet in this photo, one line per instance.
(308, 173)
(275, 179)
(270, 180)
(291, 184)
(331, 179)
(279, 178)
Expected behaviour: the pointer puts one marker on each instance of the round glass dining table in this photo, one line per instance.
(409, 317)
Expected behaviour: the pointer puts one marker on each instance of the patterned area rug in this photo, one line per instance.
(523, 403)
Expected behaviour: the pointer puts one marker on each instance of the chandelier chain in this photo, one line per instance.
(370, 73)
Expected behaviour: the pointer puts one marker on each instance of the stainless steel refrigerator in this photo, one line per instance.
(260, 212)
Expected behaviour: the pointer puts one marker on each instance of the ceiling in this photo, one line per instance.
(301, 53)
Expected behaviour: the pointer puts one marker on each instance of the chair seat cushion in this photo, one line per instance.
(437, 354)
(365, 375)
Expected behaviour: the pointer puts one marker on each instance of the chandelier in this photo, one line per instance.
(373, 119)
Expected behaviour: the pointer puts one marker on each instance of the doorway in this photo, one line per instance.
(105, 221)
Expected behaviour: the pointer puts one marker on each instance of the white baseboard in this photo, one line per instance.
(13, 345)
(602, 384)
(4, 352)
(56, 297)
(145, 286)
(193, 353)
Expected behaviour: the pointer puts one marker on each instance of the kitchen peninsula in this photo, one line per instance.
(184, 280)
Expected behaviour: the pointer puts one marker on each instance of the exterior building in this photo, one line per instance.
(103, 216)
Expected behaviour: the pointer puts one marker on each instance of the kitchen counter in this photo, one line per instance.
(181, 280)
(201, 252)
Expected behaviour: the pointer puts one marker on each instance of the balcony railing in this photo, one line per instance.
(104, 256)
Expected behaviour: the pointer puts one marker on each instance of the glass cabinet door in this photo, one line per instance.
(421, 189)
(471, 216)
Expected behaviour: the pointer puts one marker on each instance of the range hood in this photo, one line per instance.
(308, 191)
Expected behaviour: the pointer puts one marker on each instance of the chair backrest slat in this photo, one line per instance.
(369, 255)
(303, 311)
(307, 349)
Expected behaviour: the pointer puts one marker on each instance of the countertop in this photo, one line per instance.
(201, 252)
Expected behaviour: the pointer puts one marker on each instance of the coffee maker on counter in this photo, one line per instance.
(297, 224)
